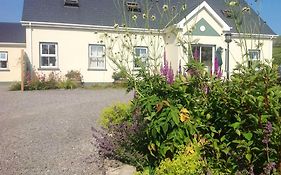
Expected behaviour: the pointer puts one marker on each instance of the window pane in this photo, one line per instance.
(206, 57)
(99, 51)
(101, 63)
(52, 49)
(196, 52)
(45, 49)
(137, 52)
(93, 62)
(52, 61)
(3, 56)
(3, 64)
(45, 61)
(93, 51)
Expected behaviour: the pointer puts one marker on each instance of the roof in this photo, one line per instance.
(110, 12)
(12, 33)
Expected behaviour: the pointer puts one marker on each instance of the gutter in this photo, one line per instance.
(89, 27)
(13, 44)
(249, 35)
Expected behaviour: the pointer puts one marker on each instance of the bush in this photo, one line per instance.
(239, 119)
(115, 114)
(16, 86)
(67, 84)
(187, 161)
(75, 76)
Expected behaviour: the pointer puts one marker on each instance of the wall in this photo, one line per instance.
(13, 72)
(73, 49)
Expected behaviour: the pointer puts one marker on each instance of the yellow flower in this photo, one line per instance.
(184, 115)
(189, 150)
(184, 110)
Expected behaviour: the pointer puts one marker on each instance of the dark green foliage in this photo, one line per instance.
(237, 121)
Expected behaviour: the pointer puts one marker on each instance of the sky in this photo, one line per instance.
(11, 10)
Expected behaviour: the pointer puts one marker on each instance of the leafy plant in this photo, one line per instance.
(115, 114)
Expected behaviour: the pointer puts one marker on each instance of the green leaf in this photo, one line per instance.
(175, 116)
(165, 127)
(249, 157)
(235, 125)
(238, 132)
(248, 136)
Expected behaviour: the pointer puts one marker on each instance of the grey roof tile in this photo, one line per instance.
(12, 33)
(109, 12)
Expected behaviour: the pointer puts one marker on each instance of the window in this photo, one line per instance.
(48, 55)
(133, 7)
(3, 60)
(96, 56)
(71, 3)
(140, 56)
(205, 55)
(254, 56)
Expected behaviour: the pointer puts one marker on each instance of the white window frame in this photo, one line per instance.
(144, 58)
(251, 59)
(48, 55)
(97, 58)
(4, 60)
(200, 54)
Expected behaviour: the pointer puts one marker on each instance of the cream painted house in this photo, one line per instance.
(86, 35)
(12, 41)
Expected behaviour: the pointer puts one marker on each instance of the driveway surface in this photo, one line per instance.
(49, 132)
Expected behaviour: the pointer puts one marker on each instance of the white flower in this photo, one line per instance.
(245, 9)
(116, 26)
(153, 18)
(144, 16)
(165, 7)
(134, 17)
(233, 3)
(184, 6)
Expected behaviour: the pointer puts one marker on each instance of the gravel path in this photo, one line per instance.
(49, 132)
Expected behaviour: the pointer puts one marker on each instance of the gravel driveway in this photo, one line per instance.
(49, 132)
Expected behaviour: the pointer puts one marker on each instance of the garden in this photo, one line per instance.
(194, 122)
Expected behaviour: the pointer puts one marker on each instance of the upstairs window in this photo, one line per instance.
(3, 60)
(133, 7)
(71, 3)
(96, 56)
(140, 57)
(48, 55)
(254, 56)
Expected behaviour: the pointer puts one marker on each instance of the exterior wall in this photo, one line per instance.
(73, 49)
(13, 72)
(219, 41)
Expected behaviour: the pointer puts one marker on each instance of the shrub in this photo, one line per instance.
(115, 114)
(75, 76)
(187, 161)
(121, 75)
(16, 86)
(67, 84)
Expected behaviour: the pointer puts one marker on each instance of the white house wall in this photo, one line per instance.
(73, 49)
(219, 41)
(13, 72)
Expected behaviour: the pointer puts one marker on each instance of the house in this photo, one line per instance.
(86, 35)
(12, 41)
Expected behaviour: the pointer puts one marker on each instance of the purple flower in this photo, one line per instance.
(167, 70)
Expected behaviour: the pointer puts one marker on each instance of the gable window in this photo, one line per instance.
(140, 57)
(204, 54)
(48, 55)
(3, 60)
(96, 56)
(254, 56)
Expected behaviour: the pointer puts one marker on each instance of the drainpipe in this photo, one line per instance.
(31, 49)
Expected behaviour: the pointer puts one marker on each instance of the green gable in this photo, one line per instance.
(203, 28)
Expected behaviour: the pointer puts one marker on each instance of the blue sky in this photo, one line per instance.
(10, 11)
